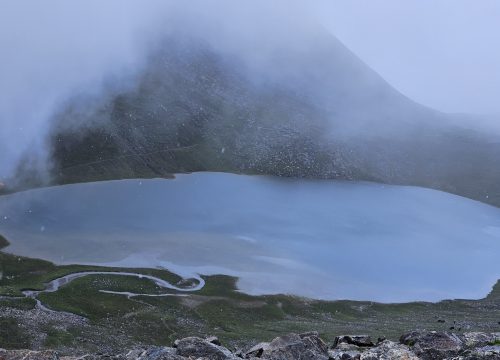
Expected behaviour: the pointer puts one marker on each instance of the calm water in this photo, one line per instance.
(321, 239)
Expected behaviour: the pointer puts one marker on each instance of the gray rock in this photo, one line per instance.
(433, 345)
(389, 350)
(214, 340)
(106, 356)
(358, 340)
(256, 350)
(344, 351)
(295, 347)
(200, 348)
(416, 345)
(309, 334)
(28, 355)
(153, 353)
(491, 352)
(478, 339)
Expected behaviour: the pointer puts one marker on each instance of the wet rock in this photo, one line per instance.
(295, 347)
(200, 348)
(433, 345)
(358, 340)
(28, 355)
(388, 350)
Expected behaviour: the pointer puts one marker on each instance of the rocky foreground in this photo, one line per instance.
(412, 346)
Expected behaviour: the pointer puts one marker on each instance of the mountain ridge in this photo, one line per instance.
(315, 111)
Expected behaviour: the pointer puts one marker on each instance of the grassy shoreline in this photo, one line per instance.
(22, 273)
(114, 321)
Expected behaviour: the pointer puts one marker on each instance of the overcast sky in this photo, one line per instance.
(441, 53)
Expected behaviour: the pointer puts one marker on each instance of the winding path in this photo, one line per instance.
(55, 284)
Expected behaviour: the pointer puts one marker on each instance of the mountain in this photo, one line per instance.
(312, 110)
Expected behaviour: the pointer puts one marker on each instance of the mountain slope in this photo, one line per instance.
(311, 111)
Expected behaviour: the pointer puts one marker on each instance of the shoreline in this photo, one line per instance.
(82, 310)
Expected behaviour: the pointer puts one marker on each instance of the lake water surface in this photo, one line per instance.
(321, 239)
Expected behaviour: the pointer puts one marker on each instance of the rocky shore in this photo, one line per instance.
(425, 345)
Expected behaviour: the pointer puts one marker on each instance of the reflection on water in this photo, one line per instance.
(322, 239)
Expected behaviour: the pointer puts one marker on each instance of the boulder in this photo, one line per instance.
(433, 345)
(153, 353)
(358, 340)
(309, 334)
(425, 345)
(388, 350)
(344, 351)
(256, 350)
(491, 352)
(214, 340)
(296, 347)
(199, 348)
(478, 339)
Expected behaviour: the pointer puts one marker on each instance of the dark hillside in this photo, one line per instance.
(320, 114)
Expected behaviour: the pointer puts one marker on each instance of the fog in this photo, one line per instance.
(57, 49)
(444, 54)
(54, 49)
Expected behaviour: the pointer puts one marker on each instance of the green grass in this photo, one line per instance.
(17, 303)
(217, 309)
(82, 297)
(57, 337)
(222, 285)
(11, 335)
(21, 273)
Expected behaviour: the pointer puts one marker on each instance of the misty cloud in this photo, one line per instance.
(442, 53)
(57, 49)
(54, 49)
